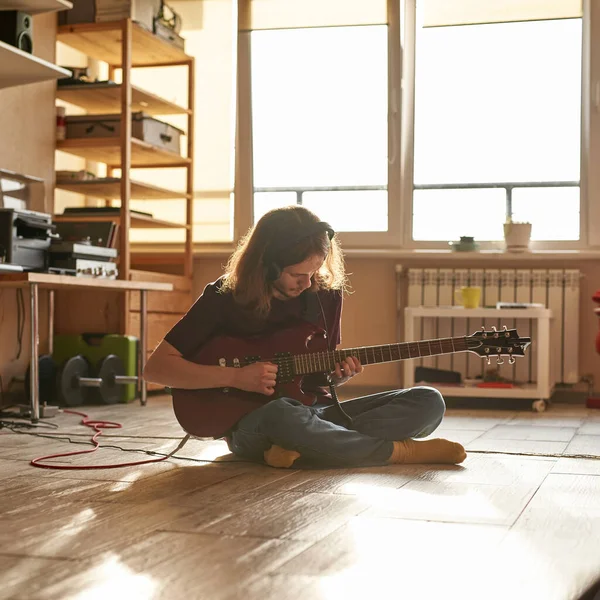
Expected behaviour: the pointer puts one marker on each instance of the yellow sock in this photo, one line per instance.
(276, 456)
(427, 452)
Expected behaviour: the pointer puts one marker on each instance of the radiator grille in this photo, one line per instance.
(557, 289)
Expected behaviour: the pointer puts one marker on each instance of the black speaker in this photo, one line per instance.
(16, 29)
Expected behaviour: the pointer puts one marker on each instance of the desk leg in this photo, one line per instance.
(50, 322)
(34, 380)
(143, 330)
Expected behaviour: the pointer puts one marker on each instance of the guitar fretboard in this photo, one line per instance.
(321, 362)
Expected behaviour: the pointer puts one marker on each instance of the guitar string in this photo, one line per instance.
(326, 359)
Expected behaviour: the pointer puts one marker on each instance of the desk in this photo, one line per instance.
(37, 281)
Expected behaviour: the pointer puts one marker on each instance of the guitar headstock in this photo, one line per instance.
(499, 343)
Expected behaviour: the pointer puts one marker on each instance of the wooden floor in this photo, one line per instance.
(499, 526)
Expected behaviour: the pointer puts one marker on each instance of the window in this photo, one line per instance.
(319, 123)
(497, 129)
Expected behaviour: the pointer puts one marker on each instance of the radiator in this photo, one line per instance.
(557, 289)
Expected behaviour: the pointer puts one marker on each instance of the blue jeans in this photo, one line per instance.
(319, 434)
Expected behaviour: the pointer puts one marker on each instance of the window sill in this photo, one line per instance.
(483, 256)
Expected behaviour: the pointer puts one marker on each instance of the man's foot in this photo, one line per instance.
(436, 451)
(276, 456)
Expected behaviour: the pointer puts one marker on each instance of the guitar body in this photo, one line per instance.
(212, 412)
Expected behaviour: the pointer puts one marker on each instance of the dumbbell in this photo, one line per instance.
(76, 386)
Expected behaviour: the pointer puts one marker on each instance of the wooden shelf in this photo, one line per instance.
(102, 99)
(110, 187)
(108, 150)
(102, 41)
(137, 221)
(20, 68)
(35, 7)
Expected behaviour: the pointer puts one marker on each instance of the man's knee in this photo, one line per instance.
(432, 403)
(277, 412)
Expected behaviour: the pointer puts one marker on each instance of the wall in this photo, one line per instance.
(370, 315)
(27, 123)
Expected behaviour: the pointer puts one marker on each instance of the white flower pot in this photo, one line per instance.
(517, 236)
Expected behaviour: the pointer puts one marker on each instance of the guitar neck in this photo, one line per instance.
(321, 362)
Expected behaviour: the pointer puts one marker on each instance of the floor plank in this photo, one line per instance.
(373, 557)
(523, 432)
(584, 444)
(452, 502)
(518, 446)
(174, 565)
(346, 481)
(492, 469)
(549, 419)
(590, 427)
(284, 515)
(78, 530)
(580, 466)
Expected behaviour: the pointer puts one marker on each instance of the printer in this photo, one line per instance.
(25, 237)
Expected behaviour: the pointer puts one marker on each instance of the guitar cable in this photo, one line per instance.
(345, 416)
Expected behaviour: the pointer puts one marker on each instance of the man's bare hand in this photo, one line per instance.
(258, 377)
(347, 369)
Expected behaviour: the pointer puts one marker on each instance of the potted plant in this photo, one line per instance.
(517, 235)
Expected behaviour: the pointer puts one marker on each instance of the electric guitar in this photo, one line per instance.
(301, 350)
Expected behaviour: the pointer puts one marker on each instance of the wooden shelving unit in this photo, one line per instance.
(20, 68)
(35, 7)
(98, 99)
(136, 221)
(126, 45)
(108, 151)
(109, 188)
(105, 42)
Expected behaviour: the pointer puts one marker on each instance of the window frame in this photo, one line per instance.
(585, 217)
(244, 186)
(401, 105)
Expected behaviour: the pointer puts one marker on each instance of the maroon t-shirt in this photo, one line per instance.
(216, 313)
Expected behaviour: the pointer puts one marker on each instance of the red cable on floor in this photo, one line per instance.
(98, 426)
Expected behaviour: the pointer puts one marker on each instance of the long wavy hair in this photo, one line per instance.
(246, 271)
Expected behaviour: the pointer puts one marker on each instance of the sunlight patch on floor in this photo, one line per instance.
(113, 579)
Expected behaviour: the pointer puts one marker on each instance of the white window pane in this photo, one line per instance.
(450, 214)
(266, 201)
(319, 107)
(361, 210)
(552, 212)
(498, 102)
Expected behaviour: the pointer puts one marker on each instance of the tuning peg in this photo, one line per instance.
(512, 360)
(499, 360)
(489, 360)
(494, 328)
